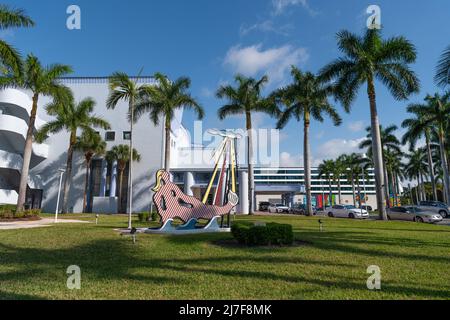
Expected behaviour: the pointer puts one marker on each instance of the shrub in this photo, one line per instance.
(143, 216)
(155, 216)
(9, 212)
(269, 234)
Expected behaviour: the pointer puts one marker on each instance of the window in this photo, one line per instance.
(127, 135)
(110, 136)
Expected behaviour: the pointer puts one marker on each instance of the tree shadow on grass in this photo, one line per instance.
(118, 260)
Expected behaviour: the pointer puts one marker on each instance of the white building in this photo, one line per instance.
(272, 184)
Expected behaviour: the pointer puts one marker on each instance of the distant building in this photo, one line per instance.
(271, 184)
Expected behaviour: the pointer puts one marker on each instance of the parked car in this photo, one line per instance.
(367, 208)
(436, 207)
(301, 209)
(278, 208)
(347, 211)
(264, 206)
(413, 213)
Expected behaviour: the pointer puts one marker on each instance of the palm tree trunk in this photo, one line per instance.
(130, 167)
(377, 151)
(167, 145)
(339, 190)
(388, 187)
(353, 192)
(251, 177)
(307, 164)
(431, 167)
(68, 177)
(330, 200)
(86, 185)
(28, 149)
(394, 189)
(119, 197)
(444, 165)
(422, 193)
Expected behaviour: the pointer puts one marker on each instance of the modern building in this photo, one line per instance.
(272, 184)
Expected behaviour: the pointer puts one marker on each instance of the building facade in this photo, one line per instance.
(285, 185)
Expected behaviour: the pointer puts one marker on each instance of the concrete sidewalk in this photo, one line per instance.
(46, 222)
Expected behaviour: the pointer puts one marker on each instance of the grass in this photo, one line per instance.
(414, 261)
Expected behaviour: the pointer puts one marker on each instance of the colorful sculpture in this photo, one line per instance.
(172, 203)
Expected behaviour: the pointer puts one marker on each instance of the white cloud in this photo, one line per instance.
(288, 160)
(266, 26)
(332, 149)
(275, 62)
(279, 6)
(356, 126)
(206, 92)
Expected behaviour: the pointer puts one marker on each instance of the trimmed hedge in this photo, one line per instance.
(261, 235)
(9, 212)
(145, 216)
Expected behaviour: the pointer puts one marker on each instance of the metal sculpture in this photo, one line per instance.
(172, 203)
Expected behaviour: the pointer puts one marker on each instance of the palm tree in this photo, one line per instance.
(123, 88)
(306, 98)
(245, 99)
(438, 115)
(394, 171)
(353, 164)
(10, 60)
(326, 170)
(442, 77)
(40, 81)
(388, 142)
(339, 170)
(367, 59)
(162, 101)
(70, 117)
(91, 144)
(415, 168)
(416, 129)
(121, 154)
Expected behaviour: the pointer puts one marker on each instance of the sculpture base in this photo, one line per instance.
(189, 228)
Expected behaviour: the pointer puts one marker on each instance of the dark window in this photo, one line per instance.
(127, 135)
(110, 136)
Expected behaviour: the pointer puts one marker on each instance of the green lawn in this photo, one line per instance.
(414, 261)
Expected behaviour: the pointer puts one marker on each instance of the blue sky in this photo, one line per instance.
(210, 41)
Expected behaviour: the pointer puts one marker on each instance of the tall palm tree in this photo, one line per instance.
(40, 81)
(326, 170)
(442, 77)
(367, 59)
(339, 170)
(353, 164)
(306, 99)
(91, 144)
(162, 101)
(124, 88)
(416, 168)
(246, 98)
(70, 116)
(416, 129)
(121, 154)
(388, 142)
(10, 60)
(438, 111)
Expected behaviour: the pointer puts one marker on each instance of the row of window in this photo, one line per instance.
(111, 135)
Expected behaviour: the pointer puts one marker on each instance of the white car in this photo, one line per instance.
(278, 208)
(347, 211)
(436, 207)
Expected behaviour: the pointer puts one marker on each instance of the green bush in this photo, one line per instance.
(155, 216)
(9, 212)
(269, 234)
(143, 216)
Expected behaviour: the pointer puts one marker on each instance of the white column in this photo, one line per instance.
(189, 183)
(113, 185)
(103, 178)
(243, 192)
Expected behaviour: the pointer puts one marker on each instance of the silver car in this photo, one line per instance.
(413, 213)
(436, 207)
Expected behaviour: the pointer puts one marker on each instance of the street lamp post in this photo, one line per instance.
(61, 171)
